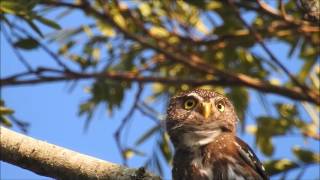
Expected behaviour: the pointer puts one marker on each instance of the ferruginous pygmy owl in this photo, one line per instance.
(202, 128)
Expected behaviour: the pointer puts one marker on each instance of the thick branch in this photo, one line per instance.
(54, 161)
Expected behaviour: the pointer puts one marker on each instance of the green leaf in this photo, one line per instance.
(5, 121)
(274, 167)
(165, 147)
(266, 146)
(27, 44)
(21, 7)
(9, 6)
(48, 22)
(287, 111)
(5, 111)
(306, 156)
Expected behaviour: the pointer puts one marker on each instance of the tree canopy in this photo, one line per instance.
(228, 46)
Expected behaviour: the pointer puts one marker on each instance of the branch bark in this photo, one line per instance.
(50, 160)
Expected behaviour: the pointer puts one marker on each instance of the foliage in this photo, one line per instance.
(179, 45)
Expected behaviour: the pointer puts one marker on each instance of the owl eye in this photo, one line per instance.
(220, 107)
(189, 103)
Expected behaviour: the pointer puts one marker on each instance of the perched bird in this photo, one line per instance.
(202, 127)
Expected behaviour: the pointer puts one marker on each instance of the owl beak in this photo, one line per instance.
(205, 109)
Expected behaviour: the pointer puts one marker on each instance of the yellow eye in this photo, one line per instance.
(220, 107)
(189, 103)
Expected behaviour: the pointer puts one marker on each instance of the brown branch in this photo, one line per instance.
(259, 39)
(312, 135)
(193, 61)
(265, 9)
(294, 93)
(53, 161)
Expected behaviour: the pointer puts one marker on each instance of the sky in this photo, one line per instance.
(52, 111)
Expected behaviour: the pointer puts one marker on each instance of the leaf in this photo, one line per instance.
(5, 121)
(66, 47)
(266, 145)
(5, 111)
(48, 22)
(27, 44)
(9, 6)
(306, 156)
(165, 147)
(119, 20)
(129, 153)
(287, 111)
(106, 29)
(201, 27)
(21, 7)
(251, 129)
(147, 134)
(274, 167)
(159, 32)
(305, 70)
(145, 9)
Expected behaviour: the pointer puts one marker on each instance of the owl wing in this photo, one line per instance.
(249, 157)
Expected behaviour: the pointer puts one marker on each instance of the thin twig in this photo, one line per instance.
(44, 47)
(149, 112)
(117, 134)
(193, 61)
(15, 50)
(259, 39)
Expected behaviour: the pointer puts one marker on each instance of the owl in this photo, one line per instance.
(202, 127)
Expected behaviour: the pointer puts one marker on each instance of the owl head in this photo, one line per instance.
(195, 117)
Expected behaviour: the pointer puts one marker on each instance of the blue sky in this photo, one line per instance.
(53, 113)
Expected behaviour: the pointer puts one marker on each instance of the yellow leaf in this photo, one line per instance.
(96, 53)
(184, 87)
(106, 29)
(275, 81)
(4, 110)
(173, 40)
(213, 5)
(251, 129)
(119, 20)
(128, 153)
(201, 27)
(145, 9)
(282, 164)
(87, 30)
(158, 31)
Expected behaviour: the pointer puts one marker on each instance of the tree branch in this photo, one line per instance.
(294, 93)
(54, 161)
(193, 61)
